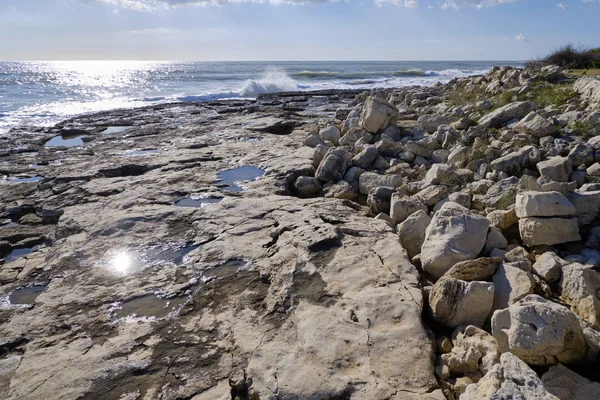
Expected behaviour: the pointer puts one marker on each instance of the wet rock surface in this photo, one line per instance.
(166, 275)
(414, 243)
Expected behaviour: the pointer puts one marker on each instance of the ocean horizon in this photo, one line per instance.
(43, 93)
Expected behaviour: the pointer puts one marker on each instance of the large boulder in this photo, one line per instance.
(580, 286)
(469, 340)
(370, 180)
(455, 302)
(549, 267)
(431, 122)
(568, 385)
(511, 284)
(499, 117)
(556, 168)
(587, 205)
(331, 134)
(455, 234)
(589, 88)
(517, 161)
(377, 114)
(537, 231)
(539, 332)
(412, 232)
(402, 207)
(306, 186)
(536, 125)
(511, 378)
(366, 157)
(543, 204)
(333, 166)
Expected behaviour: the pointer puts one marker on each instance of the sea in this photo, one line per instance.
(44, 93)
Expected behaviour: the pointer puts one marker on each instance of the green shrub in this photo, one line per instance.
(568, 56)
(586, 129)
(508, 199)
(548, 95)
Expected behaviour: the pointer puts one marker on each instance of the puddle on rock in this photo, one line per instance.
(131, 261)
(18, 253)
(26, 295)
(176, 255)
(127, 262)
(115, 129)
(226, 269)
(232, 178)
(150, 306)
(196, 202)
(252, 139)
(134, 153)
(27, 179)
(60, 141)
(8, 224)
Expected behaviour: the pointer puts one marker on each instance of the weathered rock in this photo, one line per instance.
(556, 168)
(503, 219)
(579, 288)
(454, 235)
(412, 232)
(366, 157)
(379, 199)
(402, 207)
(431, 122)
(331, 133)
(439, 173)
(333, 166)
(537, 231)
(510, 285)
(543, 204)
(539, 332)
(589, 88)
(339, 190)
(455, 302)
(587, 205)
(377, 114)
(567, 385)
(370, 180)
(517, 161)
(307, 186)
(499, 117)
(432, 194)
(495, 240)
(536, 125)
(509, 379)
(480, 269)
(474, 350)
(549, 267)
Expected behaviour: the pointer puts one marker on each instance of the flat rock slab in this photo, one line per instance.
(312, 298)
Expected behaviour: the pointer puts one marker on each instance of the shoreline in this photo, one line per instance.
(327, 244)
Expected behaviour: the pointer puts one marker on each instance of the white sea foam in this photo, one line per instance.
(273, 80)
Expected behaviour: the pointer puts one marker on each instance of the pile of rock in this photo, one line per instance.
(497, 206)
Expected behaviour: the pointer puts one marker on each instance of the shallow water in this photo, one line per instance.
(150, 306)
(127, 262)
(28, 179)
(232, 178)
(59, 141)
(18, 253)
(225, 270)
(115, 129)
(26, 295)
(196, 202)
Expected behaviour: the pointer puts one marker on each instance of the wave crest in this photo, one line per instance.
(273, 80)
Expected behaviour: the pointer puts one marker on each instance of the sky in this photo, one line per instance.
(232, 30)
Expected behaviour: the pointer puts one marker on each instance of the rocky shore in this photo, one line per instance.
(417, 243)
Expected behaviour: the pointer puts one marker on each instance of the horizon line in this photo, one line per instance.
(254, 61)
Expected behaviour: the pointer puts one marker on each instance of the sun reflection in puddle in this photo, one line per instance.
(127, 262)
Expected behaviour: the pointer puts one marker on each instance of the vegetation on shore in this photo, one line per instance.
(569, 56)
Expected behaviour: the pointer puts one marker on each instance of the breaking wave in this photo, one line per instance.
(273, 80)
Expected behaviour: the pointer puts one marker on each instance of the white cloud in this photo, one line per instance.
(561, 6)
(151, 5)
(399, 3)
(521, 38)
(457, 4)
